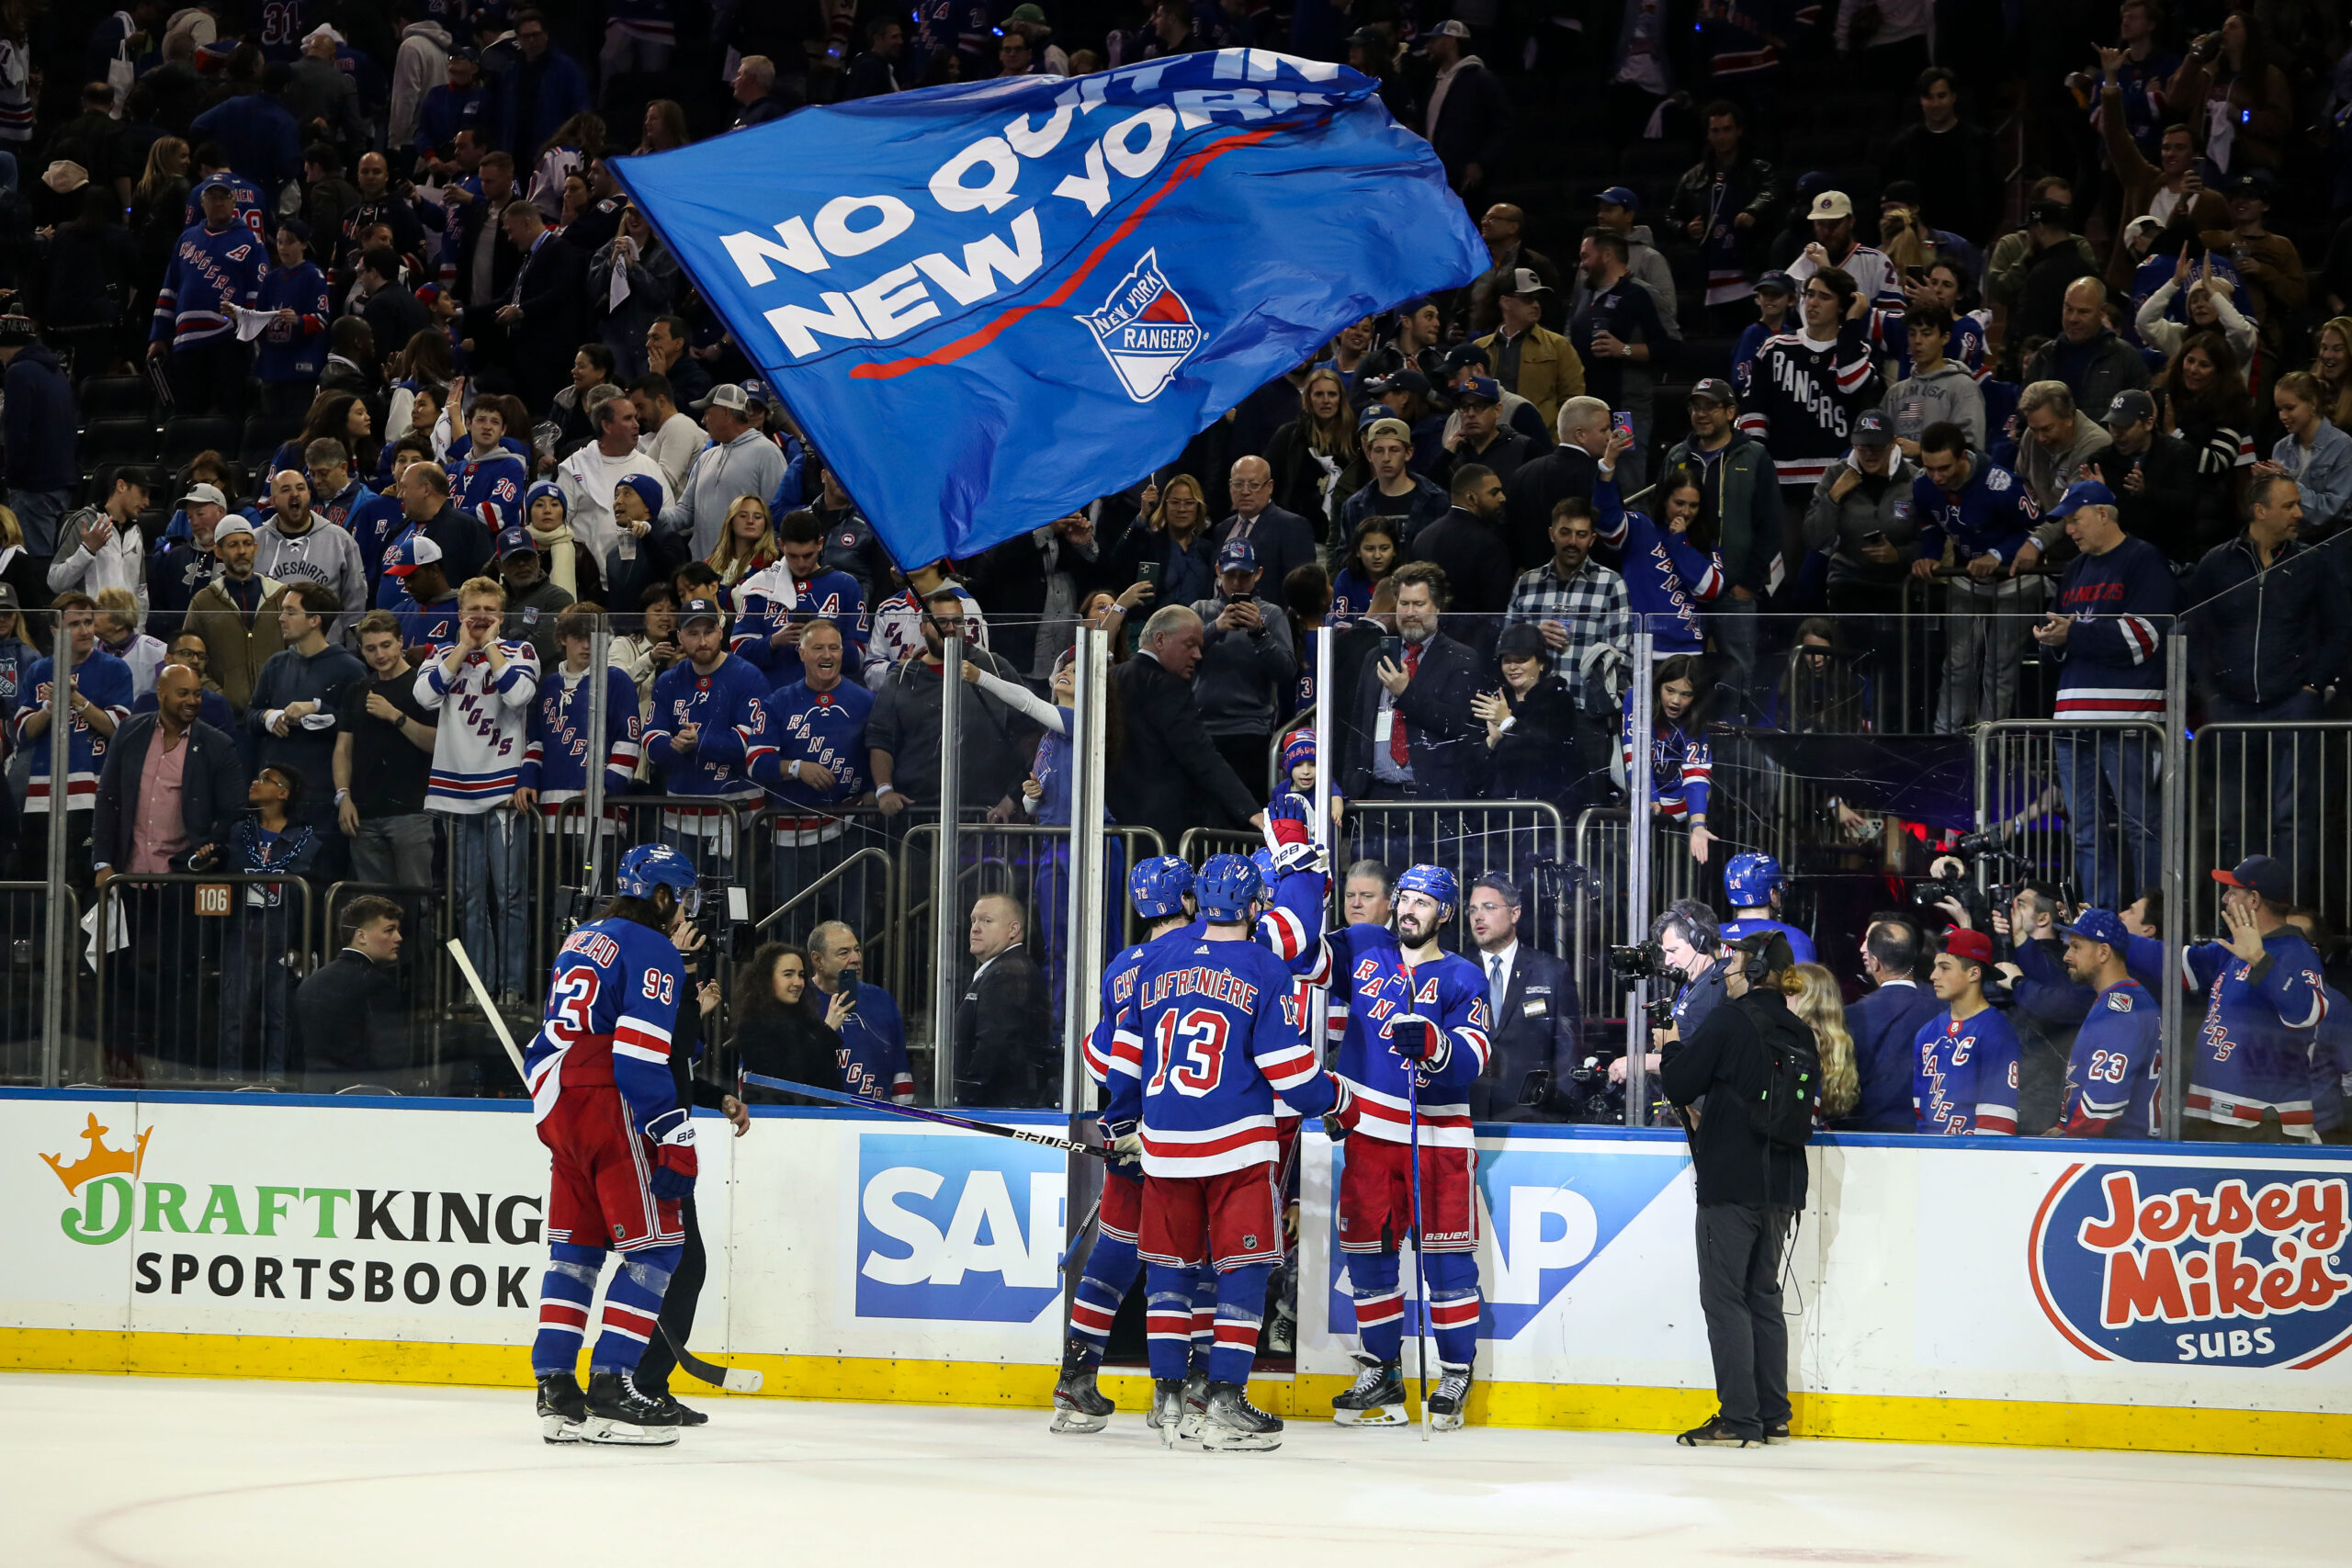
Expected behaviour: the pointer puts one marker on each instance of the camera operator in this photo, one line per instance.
(1749, 1188)
(2048, 1006)
(1690, 943)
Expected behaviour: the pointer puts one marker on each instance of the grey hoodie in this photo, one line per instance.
(1947, 393)
(2047, 474)
(322, 553)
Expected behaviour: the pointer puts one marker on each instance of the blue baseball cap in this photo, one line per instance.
(1872, 429)
(1619, 196)
(2083, 492)
(216, 182)
(1237, 555)
(1485, 389)
(2099, 925)
(1776, 282)
(2257, 874)
(513, 542)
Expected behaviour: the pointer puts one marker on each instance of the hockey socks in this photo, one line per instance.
(633, 1307)
(565, 1292)
(1111, 1270)
(1380, 1303)
(1204, 1314)
(1240, 1306)
(1453, 1305)
(1168, 1320)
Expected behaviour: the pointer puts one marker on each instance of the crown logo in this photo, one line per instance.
(101, 1160)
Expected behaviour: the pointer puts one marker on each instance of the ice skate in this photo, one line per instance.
(1450, 1401)
(1078, 1406)
(1377, 1400)
(618, 1413)
(562, 1407)
(1196, 1408)
(1232, 1424)
(1167, 1408)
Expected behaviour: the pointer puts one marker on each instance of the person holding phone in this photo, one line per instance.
(1617, 332)
(1862, 516)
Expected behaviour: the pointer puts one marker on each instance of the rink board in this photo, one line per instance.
(2021, 1291)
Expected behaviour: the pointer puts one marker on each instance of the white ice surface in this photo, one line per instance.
(190, 1474)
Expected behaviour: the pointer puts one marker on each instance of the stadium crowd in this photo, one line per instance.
(345, 389)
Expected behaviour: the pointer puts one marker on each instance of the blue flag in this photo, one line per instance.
(988, 304)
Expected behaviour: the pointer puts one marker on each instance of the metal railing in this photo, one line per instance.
(27, 917)
(174, 950)
(2274, 789)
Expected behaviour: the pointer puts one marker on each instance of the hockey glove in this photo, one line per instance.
(1125, 1139)
(1420, 1040)
(674, 1156)
(1293, 849)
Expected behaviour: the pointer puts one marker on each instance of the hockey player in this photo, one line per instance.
(2263, 996)
(1208, 1041)
(2111, 1076)
(1965, 1080)
(1411, 1007)
(1753, 883)
(607, 1110)
(1162, 891)
(777, 606)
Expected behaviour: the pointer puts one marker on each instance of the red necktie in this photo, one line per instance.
(1398, 752)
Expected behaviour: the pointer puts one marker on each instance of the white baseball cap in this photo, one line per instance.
(1831, 205)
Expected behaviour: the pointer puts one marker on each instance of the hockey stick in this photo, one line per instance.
(1078, 1237)
(1420, 1273)
(1043, 1140)
(734, 1380)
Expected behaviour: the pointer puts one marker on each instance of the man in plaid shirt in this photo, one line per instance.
(1579, 605)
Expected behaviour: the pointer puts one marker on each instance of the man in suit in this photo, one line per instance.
(1170, 775)
(1885, 1025)
(1537, 1024)
(1411, 735)
(1568, 469)
(545, 315)
(1005, 1046)
(1283, 540)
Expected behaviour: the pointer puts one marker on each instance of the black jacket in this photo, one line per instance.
(1750, 185)
(1473, 123)
(212, 789)
(1284, 541)
(351, 1019)
(1540, 484)
(1541, 1026)
(1005, 1046)
(1536, 759)
(1723, 1063)
(2173, 511)
(787, 1042)
(1475, 561)
(553, 290)
(1445, 743)
(2258, 635)
(1169, 775)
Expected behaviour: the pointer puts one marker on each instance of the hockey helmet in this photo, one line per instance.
(1432, 882)
(1748, 880)
(649, 866)
(1158, 886)
(1226, 888)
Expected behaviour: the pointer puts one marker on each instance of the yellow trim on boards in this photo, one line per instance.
(2292, 1434)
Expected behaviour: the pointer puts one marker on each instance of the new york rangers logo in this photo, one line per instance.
(2243, 1268)
(1144, 330)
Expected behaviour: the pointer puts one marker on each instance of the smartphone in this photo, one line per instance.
(1151, 572)
(1916, 274)
(849, 1001)
(1392, 648)
(1624, 423)
(1875, 536)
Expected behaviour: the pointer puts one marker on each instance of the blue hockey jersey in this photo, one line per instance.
(1991, 514)
(1966, 1079)
(1368, 976)
(1682, 765)
(1210, 1037)
(2111, 1074)
(492, 488)
(105, 680)
(555, 763)
(827, 729)
(734, 756)
(1800, 945)
(612, 1004)
(872, 1055)
(209, 272)
(767, 600)
(432, 625)
(251, 210)
(1666, 577)
(296, 353)
(2121, 604)
(2254, 1048)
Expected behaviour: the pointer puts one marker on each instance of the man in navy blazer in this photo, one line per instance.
(1537, 1024)
(1426, 692)
(1885, 1025)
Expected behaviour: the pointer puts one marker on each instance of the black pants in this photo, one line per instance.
(653, 1367)
(1740, 1289)
(207, 378)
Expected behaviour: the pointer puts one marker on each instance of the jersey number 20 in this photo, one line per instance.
(1202, 1033)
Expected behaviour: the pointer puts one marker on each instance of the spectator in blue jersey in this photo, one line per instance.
(1619, 335)
(2114, 610)
(1377, 550)
(708, 736)
(2332, 1041)
(1672, 566)
(383, 762)
(872, 1031)
(2267, 636)
(2112, 1073)
(778, 1033)
(99, 699)
(1886, 1023)
(1680, 767)
(2249, 1081)
(778, 605)
(292, 349)
(1724, 204)
(1964, 1071)
(448, 106)
(262, 949)
(1974, 519)
(489, 479)
(424, 603)
(818, 722)
(556, 766)
(218, 266)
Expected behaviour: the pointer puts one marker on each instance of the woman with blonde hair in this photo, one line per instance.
(1309, 454)
(1821, 1007)
(2332, 368)
(1178, 511)
(746, 543)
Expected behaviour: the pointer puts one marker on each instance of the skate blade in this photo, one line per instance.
(1378, 1415)
(1445, 1423)
(1240, 1442)
(1077, 1421)
(623, 1434)
(557, 1429)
